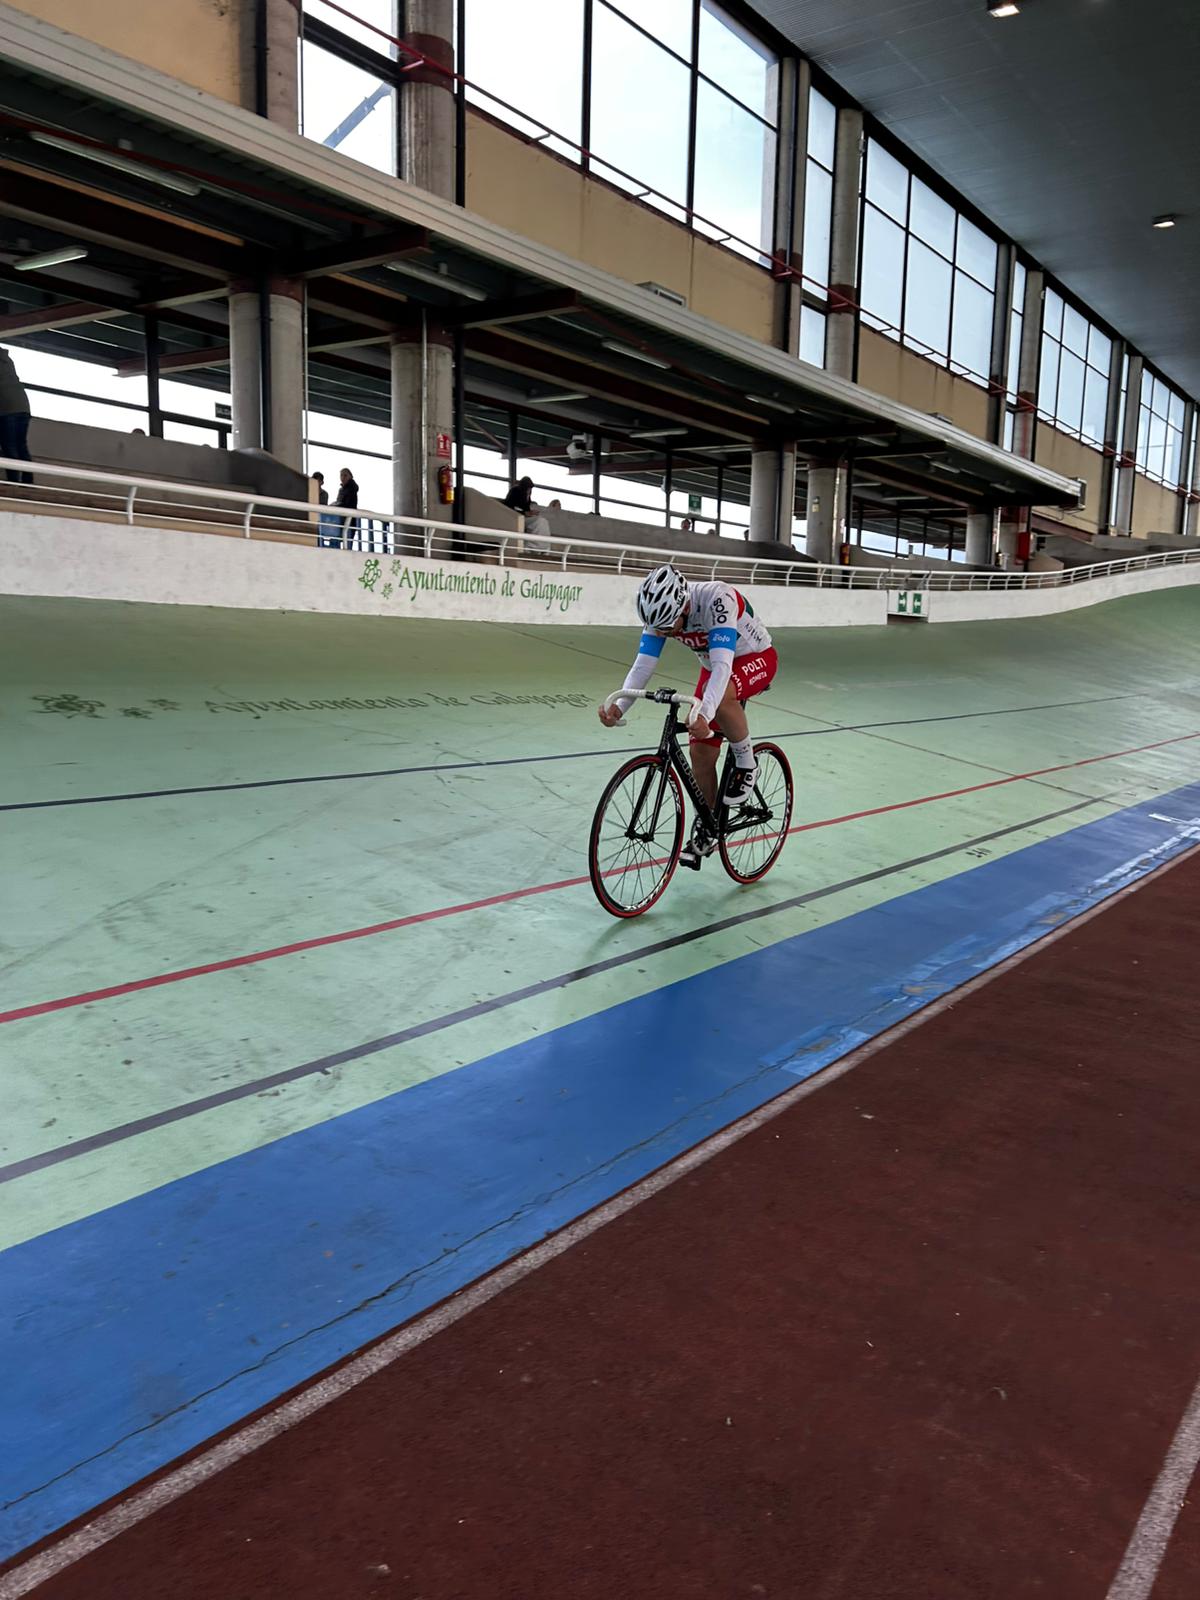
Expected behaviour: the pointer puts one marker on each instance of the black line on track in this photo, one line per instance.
(520, 761)
(322, 1064)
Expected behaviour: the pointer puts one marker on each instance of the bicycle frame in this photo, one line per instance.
(670, 754)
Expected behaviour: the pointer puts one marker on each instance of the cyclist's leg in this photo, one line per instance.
(703, 754)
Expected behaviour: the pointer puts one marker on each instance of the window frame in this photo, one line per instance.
(916, 173)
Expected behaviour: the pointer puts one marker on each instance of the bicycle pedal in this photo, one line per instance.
(692, 864)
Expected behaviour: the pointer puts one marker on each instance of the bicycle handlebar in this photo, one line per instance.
(660, 695)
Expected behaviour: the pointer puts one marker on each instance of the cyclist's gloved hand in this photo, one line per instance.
(699, 727)
(610, 715)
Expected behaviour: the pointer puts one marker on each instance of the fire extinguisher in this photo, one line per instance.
(445, 484)
(844, 553)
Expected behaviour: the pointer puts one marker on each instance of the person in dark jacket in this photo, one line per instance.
(520, 497)
(537, 527)
(347, 496)
(14, 419)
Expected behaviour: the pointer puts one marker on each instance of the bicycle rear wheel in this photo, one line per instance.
(753, 836)
(636, 837)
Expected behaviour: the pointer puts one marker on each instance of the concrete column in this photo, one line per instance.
(268, 407)
(826, 512)
(1191, 521)
(980, 537)
(270, 54)
(1025, 420)
(1191, 419)
(1112, 429)
(772, 492)
(422, 413)
(1127, 460)
(427, 99)
(795, 84)
(1024, 425)
(841, 333)
(1001, 322)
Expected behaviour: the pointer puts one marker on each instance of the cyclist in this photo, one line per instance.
(737, 661)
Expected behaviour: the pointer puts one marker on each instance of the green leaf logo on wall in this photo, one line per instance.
(404, 580)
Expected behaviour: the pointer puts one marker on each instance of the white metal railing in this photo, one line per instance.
(157, 502)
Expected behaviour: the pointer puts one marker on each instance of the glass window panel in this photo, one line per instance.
(1155, 445)
(1052, 314)
(497, 59)
(822, 128)
(976, 254)
(812, 336)
(731, 56)
(882, 269)
(1070, 390)
(668, 20)
(380, 13)
(1099, 353)
(1175, 452)
(1143, 438)
(971, 335)
(887, 182)
(1010, 423)
(927, 299)
(735, 171)
(1175, 410)
(347, 109)
(1147, 387)
(1047, 394)
(645, 134)
(818, 212)
(1095, 405)
(931, 219)
(1018, 287)
(1074, 331)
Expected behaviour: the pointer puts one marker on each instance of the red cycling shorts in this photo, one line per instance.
(751, 675)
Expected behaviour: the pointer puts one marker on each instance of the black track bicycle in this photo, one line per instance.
(637, 831)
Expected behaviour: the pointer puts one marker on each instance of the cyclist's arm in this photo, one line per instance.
(639, 675)
(721, 644)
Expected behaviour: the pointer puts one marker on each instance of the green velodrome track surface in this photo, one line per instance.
(101, 699)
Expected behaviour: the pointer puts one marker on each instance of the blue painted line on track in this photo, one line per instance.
(143, 1330)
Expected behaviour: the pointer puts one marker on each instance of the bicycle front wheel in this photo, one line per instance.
(637, 834)
(753, 836)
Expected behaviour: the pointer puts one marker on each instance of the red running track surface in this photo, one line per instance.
(925, 1336)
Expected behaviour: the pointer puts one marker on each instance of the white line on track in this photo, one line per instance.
(173, 1485)
(1139, 1571)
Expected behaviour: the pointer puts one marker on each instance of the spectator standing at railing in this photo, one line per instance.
(14, 419)
(328, 535)
(347, 496)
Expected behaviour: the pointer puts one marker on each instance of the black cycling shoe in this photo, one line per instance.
(700, 844)
(740, 786)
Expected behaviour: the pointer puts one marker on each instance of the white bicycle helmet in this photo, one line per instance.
(661, 598)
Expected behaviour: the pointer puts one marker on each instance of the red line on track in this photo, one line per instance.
(65, 1002)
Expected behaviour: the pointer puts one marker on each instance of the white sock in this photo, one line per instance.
(743, 752)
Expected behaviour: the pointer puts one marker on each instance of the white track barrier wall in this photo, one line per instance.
(78, 559)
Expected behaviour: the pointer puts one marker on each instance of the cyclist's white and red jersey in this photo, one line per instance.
(720, 627)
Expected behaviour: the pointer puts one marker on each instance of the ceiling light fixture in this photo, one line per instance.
(635, 355)
(553, 399)
(119, 163)
(658, 433)
(51, 258)
(1167, 220)
(440, 280)
(775, 405)
(1003, 8)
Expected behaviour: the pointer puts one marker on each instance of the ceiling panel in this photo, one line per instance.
(1070, 126)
